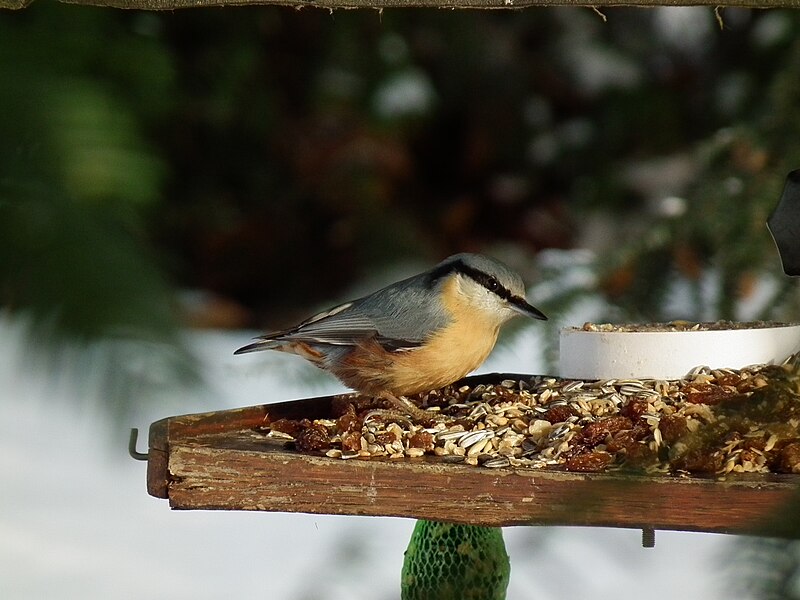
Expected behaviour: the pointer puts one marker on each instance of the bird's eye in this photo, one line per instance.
(493, 284)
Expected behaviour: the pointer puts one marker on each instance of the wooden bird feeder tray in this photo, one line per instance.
(225, 461)
(221, 461)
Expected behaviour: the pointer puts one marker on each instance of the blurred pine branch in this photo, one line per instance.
(75, 270)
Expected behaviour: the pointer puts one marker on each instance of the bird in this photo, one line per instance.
(415, 335)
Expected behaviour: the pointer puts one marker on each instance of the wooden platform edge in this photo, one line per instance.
(164, 433)
(158, 459)
(282, 481)
(219, 461)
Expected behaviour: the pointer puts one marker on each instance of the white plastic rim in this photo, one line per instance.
(670, 354)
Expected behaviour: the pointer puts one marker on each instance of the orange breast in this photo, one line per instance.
(458, 349)
(451, 353)
(449, 357)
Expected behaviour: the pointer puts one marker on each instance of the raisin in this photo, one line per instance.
(386, 437)
(640, 453)
(559, 414)
(626, 440)
(672, 428)
(421, 439)
(705, 393)
(349, 421)
(755, 444)
(588, 462)
(698, 460)
(634, 409)
(730, 379)
(789, 458)
(313, 438)
(289, 426)
(351, 441)
(596, 432)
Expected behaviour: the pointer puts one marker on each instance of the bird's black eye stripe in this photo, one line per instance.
(487, 281)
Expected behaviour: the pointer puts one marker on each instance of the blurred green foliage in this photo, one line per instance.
(273, 156)
(318, 145)
(76, 177)
(769, 568)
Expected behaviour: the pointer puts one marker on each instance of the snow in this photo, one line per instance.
(76, 521)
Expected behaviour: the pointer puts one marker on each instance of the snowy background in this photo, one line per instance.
(76, 520)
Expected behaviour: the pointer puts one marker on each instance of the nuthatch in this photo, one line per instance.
(415, 335)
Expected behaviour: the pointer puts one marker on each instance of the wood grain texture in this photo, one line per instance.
(219, 461)
(382, 4)
(243, 478)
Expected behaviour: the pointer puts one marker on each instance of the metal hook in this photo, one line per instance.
(135, 454)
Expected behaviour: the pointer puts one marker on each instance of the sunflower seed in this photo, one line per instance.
(452, 434)
(572, 386)
(496, 463)
(474, 437)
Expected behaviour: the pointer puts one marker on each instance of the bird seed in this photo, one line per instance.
(716, 421)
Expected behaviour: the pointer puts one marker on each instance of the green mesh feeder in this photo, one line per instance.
(455, 562)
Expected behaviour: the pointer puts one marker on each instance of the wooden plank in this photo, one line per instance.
(219, 461)
(384, 4)
(246, 475)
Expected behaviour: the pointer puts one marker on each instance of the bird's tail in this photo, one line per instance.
(261, 344)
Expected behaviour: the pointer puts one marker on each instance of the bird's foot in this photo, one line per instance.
(406, 408)
(387, 414)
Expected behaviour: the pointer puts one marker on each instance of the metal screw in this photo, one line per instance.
(648, 537)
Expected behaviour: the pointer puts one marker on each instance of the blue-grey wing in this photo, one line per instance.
(402, 315)
(343, 325)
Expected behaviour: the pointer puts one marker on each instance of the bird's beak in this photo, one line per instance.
(521, 306)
